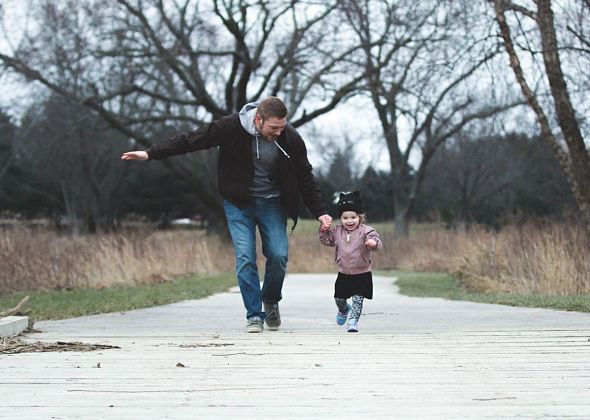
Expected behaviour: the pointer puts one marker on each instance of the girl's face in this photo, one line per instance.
(350, 220)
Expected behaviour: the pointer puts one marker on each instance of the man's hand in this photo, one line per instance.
(371, 243)
(326, 221)
(137, 155)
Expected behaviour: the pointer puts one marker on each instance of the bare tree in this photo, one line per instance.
(141, 64)
(6, 147)
(542, 41)
(342, 163)
(474, 178)
(491, 179)
(74, 156)
(420, 67)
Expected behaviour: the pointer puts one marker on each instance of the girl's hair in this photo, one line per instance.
(362, 217)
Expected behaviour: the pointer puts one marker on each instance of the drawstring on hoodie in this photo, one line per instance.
(257, 152)
(275, 142)
(281, 149)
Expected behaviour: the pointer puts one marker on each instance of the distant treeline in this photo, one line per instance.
(489, 180)
(63, 162)
(433, 83)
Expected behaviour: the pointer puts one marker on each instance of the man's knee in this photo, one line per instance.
(245, 261)
(278, 257)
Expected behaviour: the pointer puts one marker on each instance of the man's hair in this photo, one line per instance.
(271, 107)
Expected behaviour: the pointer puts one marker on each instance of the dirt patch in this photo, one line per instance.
(18, 345)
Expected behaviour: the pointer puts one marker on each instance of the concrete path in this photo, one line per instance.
(413, 358)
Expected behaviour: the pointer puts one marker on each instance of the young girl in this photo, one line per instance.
(354, 242)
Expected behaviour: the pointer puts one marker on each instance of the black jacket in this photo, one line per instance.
(235, 169)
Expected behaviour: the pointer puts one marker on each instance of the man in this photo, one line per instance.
(262, 171)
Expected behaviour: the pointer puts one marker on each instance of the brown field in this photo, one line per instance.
(534, 258)
(33, 259)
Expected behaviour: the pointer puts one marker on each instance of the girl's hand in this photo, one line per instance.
(371, 243)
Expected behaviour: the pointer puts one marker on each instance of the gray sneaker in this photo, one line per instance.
(273, 316)
(254, 325)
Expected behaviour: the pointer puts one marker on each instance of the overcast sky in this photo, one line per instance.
(355, 119)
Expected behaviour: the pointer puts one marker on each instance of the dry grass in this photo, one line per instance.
(433, 250)
(43, 260)
(552, 259)
(308, 255)
(534, 258)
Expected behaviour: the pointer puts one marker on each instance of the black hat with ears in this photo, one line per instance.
(350, 202)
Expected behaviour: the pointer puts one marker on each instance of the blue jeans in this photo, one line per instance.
(269, 216)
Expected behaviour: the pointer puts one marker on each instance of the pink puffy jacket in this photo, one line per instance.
(352, 255)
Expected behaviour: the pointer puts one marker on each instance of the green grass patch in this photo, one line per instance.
(61, 304)
(446, 287)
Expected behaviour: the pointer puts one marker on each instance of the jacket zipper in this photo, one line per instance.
(347, 252)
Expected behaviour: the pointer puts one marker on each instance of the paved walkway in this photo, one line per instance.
(413, 358)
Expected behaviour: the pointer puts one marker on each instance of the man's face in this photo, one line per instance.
(271, 127)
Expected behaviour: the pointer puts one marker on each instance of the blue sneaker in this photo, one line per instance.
(341, 317)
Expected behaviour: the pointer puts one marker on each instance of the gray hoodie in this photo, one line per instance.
(265, 156)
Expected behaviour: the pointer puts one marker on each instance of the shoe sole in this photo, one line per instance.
(254, 327)
(253, 330)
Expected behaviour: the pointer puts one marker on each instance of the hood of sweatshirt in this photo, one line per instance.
(247, 114)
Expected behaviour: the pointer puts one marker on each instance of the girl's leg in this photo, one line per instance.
(357, 307)
(343, 309)
(355, 313)
(342, 305)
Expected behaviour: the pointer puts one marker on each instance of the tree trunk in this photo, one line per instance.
(401, 224)
(575, 165)
(579, 160)
(401, 206)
